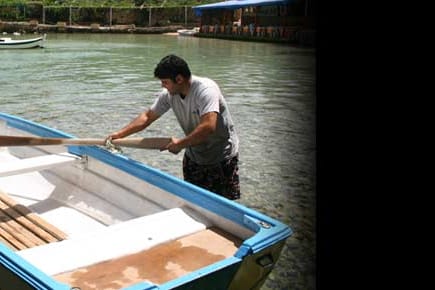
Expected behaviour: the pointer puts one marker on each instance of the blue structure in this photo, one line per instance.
(236, 4)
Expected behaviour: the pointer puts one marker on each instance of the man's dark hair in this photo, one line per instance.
(170, 66)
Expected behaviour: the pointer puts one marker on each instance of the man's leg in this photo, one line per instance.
(222, 178)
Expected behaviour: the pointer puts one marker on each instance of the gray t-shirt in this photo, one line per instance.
(204, 97)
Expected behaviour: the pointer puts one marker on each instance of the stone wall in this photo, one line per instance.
(104, 16)
(61, 26)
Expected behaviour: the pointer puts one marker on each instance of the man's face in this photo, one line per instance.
(171, 86)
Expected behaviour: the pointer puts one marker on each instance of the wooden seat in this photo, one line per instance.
(20, 166)
(269, 31)
(157, 265)
(113, 241)
(260, 31)
(21, 229)
(245, 30)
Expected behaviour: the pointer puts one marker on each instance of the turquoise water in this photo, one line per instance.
(89, 85)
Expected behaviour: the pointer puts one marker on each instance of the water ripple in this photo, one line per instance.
(89, 85)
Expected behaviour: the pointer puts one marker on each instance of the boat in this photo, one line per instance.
(188, 32)
(86, 217)
(8, 43)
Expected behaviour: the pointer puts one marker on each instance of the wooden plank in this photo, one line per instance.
(34, 218)
(18, 232)
(18, 245)
(7, 243)
(39, 232)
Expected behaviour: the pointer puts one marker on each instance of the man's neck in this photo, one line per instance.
(185, 89)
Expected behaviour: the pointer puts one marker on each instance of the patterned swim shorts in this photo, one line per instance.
(221, 178)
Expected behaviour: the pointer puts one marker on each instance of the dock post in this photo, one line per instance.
(110, 17)
(185, 16)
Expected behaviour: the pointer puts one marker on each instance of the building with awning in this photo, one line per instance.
(237, 4)
(277, 19)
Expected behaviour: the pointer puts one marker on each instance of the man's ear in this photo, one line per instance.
(179, 79)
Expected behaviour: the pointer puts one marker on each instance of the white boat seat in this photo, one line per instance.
(112, 242)
(31, 164)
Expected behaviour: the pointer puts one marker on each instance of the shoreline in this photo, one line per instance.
(306, 38)
(35, 27)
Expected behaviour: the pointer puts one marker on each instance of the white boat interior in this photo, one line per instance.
(103, 218)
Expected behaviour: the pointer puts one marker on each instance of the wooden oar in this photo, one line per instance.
(145, 143)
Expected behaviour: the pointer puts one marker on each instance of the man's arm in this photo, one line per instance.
(206, 126)
(138, 124)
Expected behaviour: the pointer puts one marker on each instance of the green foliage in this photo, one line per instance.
(13, 2)
(110, 3)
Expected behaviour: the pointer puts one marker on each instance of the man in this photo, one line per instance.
(211, 143)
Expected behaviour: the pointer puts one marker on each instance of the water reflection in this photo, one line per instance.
(89, 85)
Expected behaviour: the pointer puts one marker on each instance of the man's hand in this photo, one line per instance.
(112, 136)
(110, 146)
(173, 146)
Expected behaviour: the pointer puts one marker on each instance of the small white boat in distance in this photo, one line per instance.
(188, 32)
(9, 43)
(82, 217)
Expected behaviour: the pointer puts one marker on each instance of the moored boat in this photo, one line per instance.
(84, 217)
(188, 32)
(9, 43)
